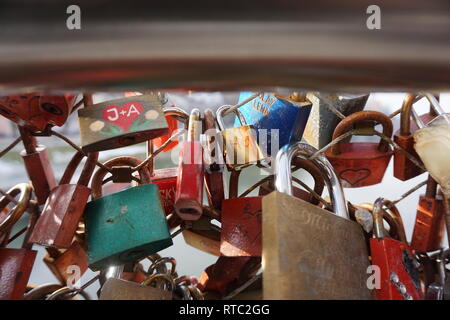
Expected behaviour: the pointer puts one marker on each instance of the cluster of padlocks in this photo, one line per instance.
(288, 242)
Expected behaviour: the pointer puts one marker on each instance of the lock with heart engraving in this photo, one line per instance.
(37, 165)
(16, 264)
(327, 258)
(397, 262)
(190, 181)
(65, 205)
(121, 122)
(37, 111)
(127, 225)
(360, 164)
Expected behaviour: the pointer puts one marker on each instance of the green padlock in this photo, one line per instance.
(127, 225)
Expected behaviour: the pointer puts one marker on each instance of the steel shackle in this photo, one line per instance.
(220, 114)
(283, 182)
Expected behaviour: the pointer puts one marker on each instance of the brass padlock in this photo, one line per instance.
(118, 289)
(308, 252)
(239, 144)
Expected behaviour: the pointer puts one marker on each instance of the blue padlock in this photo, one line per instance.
(284, 118)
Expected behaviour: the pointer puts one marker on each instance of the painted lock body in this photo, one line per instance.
(59, 262)
(309, 252)
(397, 262)
(37, 111)
(121, 122)
(284, 118)
(37, 165)
(203, 235)
(227, 274)
(166, 180)
(360, 164)
(213, 164)
(127, 225)
(322, 121)
(15, 264)
(429, 229)
(190, 181)
(65, 205)
(405, 169)
(239, 144)
(119, 289)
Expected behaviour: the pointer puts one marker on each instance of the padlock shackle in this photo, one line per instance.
(162, 276)
(431, 190)
(220, 114)
(283, 181)
(87, 171)
(24, 189)
(365, 115)
(377, 213)
(99, 175)
(434, 104)
(177, 113)
(405, 115)
(195, 125)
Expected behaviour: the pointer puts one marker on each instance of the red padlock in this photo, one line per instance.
(16, 264)
(429, 226)
(242, 217)
(397, 262)
(36, 111)
(189, 195)
(38, 166)
(360, 164)
(214, 169)
(65, 206)
(227, 274)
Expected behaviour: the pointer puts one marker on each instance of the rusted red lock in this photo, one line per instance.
(429, 226)
(65, 206)
(404, 169)
(61, 262)
(36, 111)
(38, 166)
(189, 195)
(360, 164)
(397, 263)
(228, 273)
(16, 264)
(213, 167)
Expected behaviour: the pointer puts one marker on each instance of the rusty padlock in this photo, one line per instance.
(397, 262)
(59, 261)
(213, 164)
(189, 195)
(37, 165)
(127, 225)
(429, 225)
(360, 164)
(226, 274)
(64, 208)
(37, 111)
(16, 264)
(121, 122)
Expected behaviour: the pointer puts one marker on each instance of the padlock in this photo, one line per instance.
(213, 164)
(190, 181)
(397, 262)
(226, 274)
(322, 121)
(37, 165)
(429, 225)
(16, 264)
(121, 122)
(65, 205)
(127, 225)
(405, 169)
(239, 144)
(119, 289)
(59, 261)
(202, 234)
(360, 164)
(172, 123)
(282, 118)
(36, 111)
(308, 252)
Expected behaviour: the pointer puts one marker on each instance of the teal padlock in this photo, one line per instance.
(127, 225)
